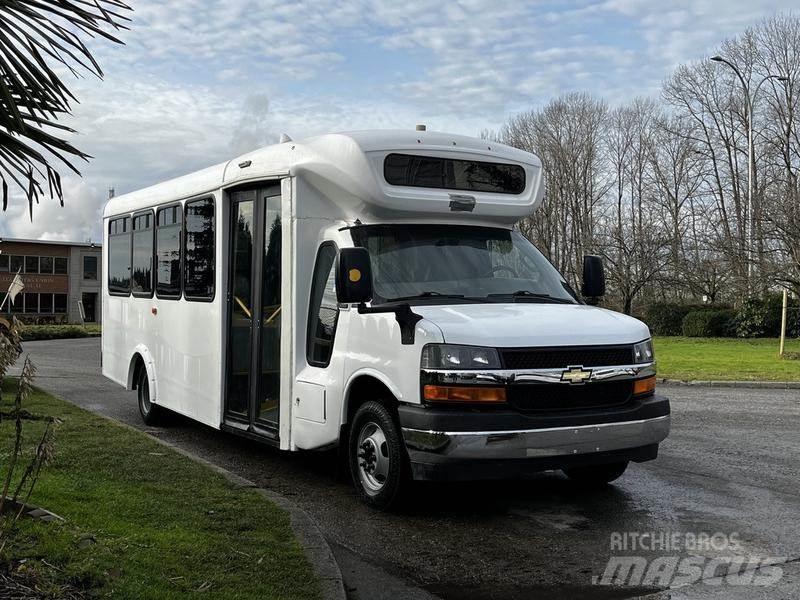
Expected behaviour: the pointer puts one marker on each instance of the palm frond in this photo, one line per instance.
(37, 37)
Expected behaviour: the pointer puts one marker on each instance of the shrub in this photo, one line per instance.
(761, 317)
(666, 318)
(58, 332)
(709, 323)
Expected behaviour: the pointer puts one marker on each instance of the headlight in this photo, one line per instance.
(449, 356)
(643, 352)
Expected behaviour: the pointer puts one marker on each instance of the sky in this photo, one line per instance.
(198, 82)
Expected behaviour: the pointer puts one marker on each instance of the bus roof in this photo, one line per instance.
(349, 167)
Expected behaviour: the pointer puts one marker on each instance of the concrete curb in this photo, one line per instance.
(762, 385)
(308, 534)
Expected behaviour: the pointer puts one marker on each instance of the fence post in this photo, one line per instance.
(784, 311)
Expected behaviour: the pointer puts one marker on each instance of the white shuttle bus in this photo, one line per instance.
(367, 291)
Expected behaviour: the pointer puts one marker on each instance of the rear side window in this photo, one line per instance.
(119, 256)
(169, 229)
(199, 250)
(323, 310)
(453, 174)
(142, 284)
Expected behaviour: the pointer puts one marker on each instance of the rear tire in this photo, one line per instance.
(377, 456)
(597, 475)
(152, 414)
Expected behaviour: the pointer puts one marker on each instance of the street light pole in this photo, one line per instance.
(750, 101)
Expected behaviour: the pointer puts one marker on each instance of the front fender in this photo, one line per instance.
(367, 372)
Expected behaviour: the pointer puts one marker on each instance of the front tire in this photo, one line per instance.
(378, 459)
(597, 475)
(152, 414)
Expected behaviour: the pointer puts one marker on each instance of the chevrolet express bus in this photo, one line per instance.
(367, 291)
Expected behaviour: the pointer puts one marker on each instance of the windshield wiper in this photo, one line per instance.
(431, 294)
(524, 294)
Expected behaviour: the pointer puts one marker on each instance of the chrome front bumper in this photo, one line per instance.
(535, 443)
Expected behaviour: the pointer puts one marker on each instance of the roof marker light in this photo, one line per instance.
(245, 163)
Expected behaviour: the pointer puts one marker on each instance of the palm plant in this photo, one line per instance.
(40, 41)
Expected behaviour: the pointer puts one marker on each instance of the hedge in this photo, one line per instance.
(756, 317)
(666, 318)
(761, 317)
(58, 332)
(709, 323)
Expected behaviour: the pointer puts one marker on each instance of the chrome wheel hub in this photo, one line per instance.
(373, 458)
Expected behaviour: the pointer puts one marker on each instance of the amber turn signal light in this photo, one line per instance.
(643, 387)
(476, 394)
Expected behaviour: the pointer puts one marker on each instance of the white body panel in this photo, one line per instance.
(510, 325)
(328, 184)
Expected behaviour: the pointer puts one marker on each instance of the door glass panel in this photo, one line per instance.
(271, 310)
(240, 349)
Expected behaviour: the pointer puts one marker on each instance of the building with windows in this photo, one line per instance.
(62, 280)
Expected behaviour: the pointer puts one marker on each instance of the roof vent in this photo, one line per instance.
(285, 138)
(422, 127)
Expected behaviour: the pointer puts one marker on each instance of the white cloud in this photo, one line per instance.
(200, 81)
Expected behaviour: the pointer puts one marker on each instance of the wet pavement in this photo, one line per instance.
(731, 465)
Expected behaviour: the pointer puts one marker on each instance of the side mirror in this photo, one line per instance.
(353, 276)
(594, 279)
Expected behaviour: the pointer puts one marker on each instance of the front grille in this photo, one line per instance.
(561, 358)
(557, 397)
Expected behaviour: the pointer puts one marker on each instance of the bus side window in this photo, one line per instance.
(142, 280)
(323, 310)
(119, 256)
(199, 250)
(169, 231)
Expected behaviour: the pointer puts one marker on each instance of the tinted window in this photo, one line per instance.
(46, 264)
(60, 265)
(16, 263)
(89, 267)
(3, 262)
(198, 280)
(452, 174)
(168, 251)
(60, 303)
(143, 254)
(323, 311)
(45, 303)
(31, 303)
(119, 256)
(31, 264)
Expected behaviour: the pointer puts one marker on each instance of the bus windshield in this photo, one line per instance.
(456, 263)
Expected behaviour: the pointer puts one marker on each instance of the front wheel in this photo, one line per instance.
(597, 474)
(378, 460)
(151, 414)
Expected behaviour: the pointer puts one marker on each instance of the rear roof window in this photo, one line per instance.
(453, 174)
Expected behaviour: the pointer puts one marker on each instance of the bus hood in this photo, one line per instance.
(533, 324)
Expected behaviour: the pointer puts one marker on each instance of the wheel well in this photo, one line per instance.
(364, 389)
(137, 364)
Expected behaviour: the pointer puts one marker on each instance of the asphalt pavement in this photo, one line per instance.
(731, 466)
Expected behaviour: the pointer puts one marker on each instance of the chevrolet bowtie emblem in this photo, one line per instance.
(576, 375)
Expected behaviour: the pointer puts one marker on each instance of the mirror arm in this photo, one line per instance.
(406, 318)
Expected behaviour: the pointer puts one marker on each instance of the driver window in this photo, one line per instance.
(323, 309)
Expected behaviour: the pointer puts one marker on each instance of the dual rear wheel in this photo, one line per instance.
(152, 414)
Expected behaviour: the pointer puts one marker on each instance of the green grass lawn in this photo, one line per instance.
(145, 522)
(726, 359)
(58, 332)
